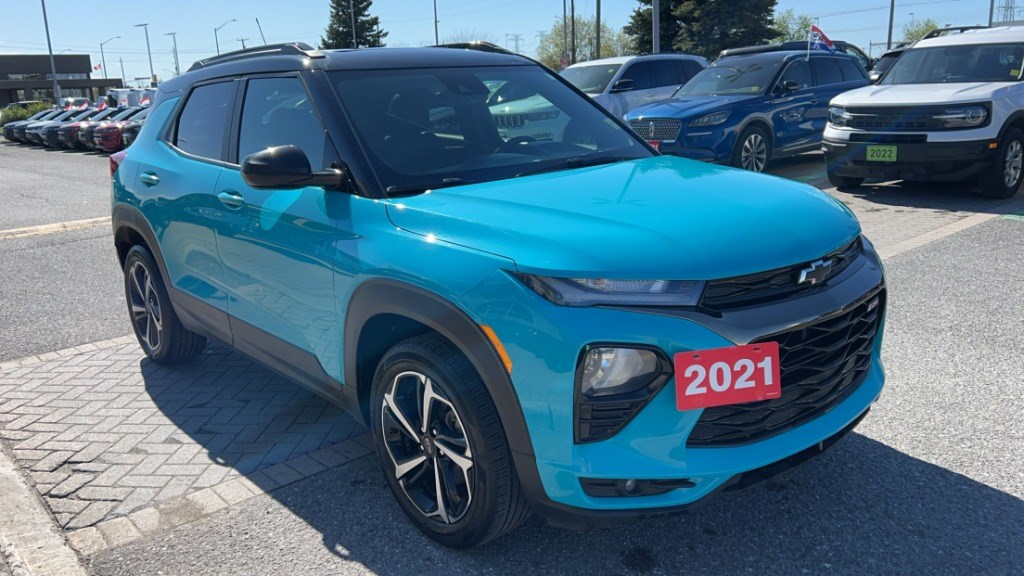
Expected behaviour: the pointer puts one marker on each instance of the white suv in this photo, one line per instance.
(950, 109)
(623, 83)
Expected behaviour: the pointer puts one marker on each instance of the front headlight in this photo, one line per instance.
(837, 116)
(612, 292)
(709, 120)
(970, 116)
(614, 370)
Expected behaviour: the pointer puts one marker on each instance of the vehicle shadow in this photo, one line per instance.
(861, 508)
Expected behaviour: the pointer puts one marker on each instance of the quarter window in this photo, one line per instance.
(204, 121)
(826, 71)
(277, 111)
(851, 70)
(664, 73)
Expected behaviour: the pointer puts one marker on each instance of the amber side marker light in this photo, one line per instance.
(498, 346)
(993, 145)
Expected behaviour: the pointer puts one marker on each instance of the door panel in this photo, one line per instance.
(792, 115)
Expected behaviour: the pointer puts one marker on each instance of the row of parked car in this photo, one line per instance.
(103, 128)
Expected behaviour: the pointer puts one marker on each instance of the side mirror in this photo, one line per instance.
(285, 167)
(624, 85)
(790, 86)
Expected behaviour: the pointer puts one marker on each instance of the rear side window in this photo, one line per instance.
(851, 70)
(797, 71)
(664, 73)
(640, 74)
(277, 111)
(204, 121)
(826, 71)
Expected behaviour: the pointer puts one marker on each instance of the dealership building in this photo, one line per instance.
(28, 77)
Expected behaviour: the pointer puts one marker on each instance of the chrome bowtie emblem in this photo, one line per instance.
(816, 272)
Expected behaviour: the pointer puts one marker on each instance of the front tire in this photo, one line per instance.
(1004, 177)
(753, 150)
(843, 182)
(156, 325)
(441, 445)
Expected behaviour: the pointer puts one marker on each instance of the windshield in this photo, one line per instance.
(591, 79)
(423, 128)
(125, 114)
(731, 76)
(884, 63)
(977, 63)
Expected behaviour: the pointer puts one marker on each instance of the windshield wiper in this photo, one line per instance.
(418, 188)
(570, 163)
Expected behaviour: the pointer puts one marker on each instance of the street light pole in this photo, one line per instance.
(352, 14)
(892, 14)
(597, 32)
(655, 27)
(152, 75)
(436, 41)
(103, 57)
(53, 65)
(174, 37)
(215, 30)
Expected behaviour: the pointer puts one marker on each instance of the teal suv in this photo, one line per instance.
(576, 327)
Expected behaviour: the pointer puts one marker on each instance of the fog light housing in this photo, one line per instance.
(608, 371)
(613, 384)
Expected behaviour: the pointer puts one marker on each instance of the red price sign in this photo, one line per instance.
(722, 376)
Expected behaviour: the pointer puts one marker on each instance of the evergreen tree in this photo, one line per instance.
(640, 28)
(706, 27)
(339, 29)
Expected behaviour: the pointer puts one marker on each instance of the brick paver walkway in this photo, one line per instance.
(106, 432)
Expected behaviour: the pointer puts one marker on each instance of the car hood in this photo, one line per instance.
(917, 94)
(655, 218)
(687, 106)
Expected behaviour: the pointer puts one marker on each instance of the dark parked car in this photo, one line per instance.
(107, 137)
(87, 131)
(749, 109)
(10, 127)
(68, 133)
(51, 132)
(131, 132)
(34, 131)
(884, 62)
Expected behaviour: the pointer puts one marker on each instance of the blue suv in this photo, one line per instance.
(748, 109)
(575, 327)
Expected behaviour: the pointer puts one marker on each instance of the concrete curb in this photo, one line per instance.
(47, 356)
(30, 541)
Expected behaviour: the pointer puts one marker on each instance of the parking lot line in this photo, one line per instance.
(1007, 209)
(54, 228)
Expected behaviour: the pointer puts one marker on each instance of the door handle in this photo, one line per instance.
(149, 178)
(231, 199)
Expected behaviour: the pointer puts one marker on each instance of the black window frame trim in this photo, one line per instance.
(170, 135)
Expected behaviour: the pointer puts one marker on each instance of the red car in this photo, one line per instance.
(68, 134)
(107, 136)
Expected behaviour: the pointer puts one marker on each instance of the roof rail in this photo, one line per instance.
(291, 48)
(750, 50)
(951, 30)
(479, 45)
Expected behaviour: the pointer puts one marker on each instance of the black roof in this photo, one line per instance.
(299, 56)
(780, 55)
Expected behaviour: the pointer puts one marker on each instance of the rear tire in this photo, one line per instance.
(1004, 177)
(156, 325)
(453, 476)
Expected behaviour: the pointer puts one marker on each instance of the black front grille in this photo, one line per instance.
(773, 285)
(895, 119)
(889, 138)
(822, 363)
(665, 130)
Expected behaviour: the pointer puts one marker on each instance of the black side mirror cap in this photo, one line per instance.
(623, 85)
(286, 167)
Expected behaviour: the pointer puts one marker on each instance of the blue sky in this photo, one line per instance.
(80, 27)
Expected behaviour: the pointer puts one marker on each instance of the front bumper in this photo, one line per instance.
(924, 161)
(544, 341)
(713, 144)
